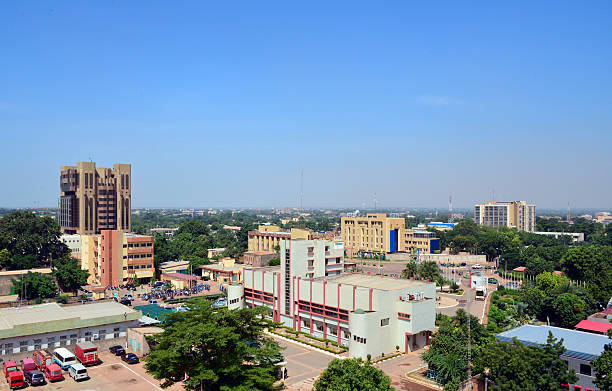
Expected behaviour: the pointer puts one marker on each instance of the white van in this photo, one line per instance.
(78, 372)
(477, 267)
(64, 358)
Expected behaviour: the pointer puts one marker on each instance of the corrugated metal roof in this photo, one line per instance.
(591, 325)
(579, 344)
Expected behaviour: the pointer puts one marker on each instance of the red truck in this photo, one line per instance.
(42, 358)
(87, 353)
(14, 377)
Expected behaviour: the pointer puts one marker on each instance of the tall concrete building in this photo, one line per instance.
(512, 214)
(93, 198)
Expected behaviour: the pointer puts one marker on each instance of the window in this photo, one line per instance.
(23, 346)
(384, 322)
(585, 369)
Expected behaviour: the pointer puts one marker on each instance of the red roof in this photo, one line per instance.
(519, 269)
(180, 276)
(591, 325)
(608, 311)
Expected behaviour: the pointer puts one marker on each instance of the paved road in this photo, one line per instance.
(397, 368)
(303, 363)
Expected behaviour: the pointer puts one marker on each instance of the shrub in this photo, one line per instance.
(369, 357)
(62, 299)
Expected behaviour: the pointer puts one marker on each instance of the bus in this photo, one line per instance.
(64, 358)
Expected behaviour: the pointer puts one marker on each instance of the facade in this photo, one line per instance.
(511, 214)
(215, 252)
(269, 237)
(309, 292)
(582, 348)
(225, 271)
(137, 339)
(180, 280)
(576, 236)
(167, 232)
(418, 241)
(174, 267)
(115, 257)
(48, 326)
(258, 258)
(93, 198)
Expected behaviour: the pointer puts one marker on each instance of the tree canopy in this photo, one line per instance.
(69, 275)
(603, 368)
(219, 349)
(35, 285)
(352, 374)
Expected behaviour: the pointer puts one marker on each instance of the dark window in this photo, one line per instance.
(585, 369)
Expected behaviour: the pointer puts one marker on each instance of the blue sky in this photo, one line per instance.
(413, 101)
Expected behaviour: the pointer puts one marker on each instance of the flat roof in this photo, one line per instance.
(221, 268)
(19, 272)
(260, 252)
(51, 317)
(579, 344)
(375, 282)
(173, 264)
(147, 330)
(180, 276)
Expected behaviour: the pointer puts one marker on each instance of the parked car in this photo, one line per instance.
(152, 301)
(158, 284)
(117, 350)
(476, 266)
(492, 281)
(130, 358)
(53, 372)
(78, 372)
(43, 358)
(125, 302)
(14, 377)
(35, 378)
(128, 297)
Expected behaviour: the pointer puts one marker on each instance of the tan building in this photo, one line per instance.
(137, 339)
(511, 214)
(258, 258)
(418, 241)
(372, 233)
(93, 198)
(180, 280)
(115, 257)
(268, 237)
(225, 271)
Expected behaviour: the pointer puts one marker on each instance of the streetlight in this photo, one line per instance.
(486, 372)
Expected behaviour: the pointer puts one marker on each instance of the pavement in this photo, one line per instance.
(302, 363)
(397, 367)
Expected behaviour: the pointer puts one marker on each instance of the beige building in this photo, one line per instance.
(115, 257)
(374, 232)
(225, 271)
(258, 258)
(137, 339)
(511, 214)
(269, 237)
(93, 198)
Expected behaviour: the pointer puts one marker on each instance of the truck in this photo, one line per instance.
(14, 377)
(481, 293)
(87, 353)
(42, 358)
(27, 365)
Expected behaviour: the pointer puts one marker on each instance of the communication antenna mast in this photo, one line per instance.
(302, 191)
(374, 202)
(568, 212)
(450, 209)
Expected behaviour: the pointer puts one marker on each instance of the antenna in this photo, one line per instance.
(450, 208)
(493, 195)
(374, 202)
(568, 211)
(302, 191)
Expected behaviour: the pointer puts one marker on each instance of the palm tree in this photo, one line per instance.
(410, 271)
(429, 270)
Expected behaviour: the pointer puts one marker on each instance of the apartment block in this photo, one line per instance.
(309, 292)
(93, 198)
(511, 214)
(269, 237)
(114, 257)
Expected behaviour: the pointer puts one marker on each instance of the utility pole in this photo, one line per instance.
(469, 324)
(450, 208)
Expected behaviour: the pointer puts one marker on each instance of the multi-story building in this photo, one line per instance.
(114, 257)
(581, 349)
(269, 237)
(309, 292)
(375, 234)
(93, 198)
(512, 214)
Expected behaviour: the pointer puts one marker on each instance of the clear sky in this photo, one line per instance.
(222, 106)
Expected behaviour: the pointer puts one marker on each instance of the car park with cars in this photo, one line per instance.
(35, 378)
(130, 358)
(78, 372)
(53, 373)
(117, 350)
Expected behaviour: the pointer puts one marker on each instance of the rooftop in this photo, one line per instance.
(222, 268)
(260, 252)
(591, 325)
(173, 264)
(148, 330)
(579, 344)
(181, 276)
(375, 282)
(20, 272)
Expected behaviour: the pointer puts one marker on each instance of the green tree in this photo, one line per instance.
(429, 270)
(274, 262)
(219, 349)
(515, 366)
(463, 243)
(592, 265)
(69, 275)
(34, 285)
(5, 258)
(352, 374)
(569, 309)
(194, 227)
(410, 271)
(603, 366)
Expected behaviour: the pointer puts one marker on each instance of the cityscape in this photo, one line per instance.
(326, 197)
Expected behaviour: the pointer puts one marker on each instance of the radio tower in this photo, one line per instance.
(450, 209)
(302, 191)
(568, 212)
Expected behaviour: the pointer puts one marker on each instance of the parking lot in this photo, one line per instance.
(111, 375)
(303, 363)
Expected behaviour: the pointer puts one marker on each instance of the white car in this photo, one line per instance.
(78, 372)
(476, 266)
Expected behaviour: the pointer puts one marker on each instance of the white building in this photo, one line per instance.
(511, 214)
(369, 314)
(576, 236)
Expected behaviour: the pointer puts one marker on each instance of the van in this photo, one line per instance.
(42, 358)
(64, 358)
(28, 365)
(78, 372)
(53, 372)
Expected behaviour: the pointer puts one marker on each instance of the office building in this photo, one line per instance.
(269, 237)
(309, 292)
(581, 349)
(576, 236)
(114, 257)
(511, 214)
(258, 258)
(376, 234)
(93, 198)
(48, 326)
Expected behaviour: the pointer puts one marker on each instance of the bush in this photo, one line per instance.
(62, 299)
(369, 357)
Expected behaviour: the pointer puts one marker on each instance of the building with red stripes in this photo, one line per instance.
(309, 292)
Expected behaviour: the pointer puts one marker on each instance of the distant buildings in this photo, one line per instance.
(167, 232)
(114, 257)
(269, 237)
(576, 236)
(603, 217)
(512, 214)
(375, 234)
(441, 226)
(258, 258)
(310, 293)
(93, 198)
(582, 348)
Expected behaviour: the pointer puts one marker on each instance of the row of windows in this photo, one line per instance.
(131, 267)
(137, 245)
(359, 339)
(234, 301)
(138, 256)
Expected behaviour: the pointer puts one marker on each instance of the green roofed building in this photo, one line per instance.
(154, 311)
(48, 326)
